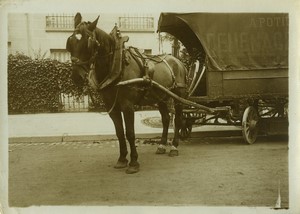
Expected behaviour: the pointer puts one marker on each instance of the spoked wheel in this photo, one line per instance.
(186, 129)
(249, 125)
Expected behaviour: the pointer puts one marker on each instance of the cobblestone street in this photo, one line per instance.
(208, 171)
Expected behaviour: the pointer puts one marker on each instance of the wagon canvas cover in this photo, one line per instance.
(232, 41)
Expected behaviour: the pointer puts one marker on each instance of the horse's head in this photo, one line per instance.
(82, 45)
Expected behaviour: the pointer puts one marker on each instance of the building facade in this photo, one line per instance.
(45, 35)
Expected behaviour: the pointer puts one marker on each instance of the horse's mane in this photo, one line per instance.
(104, 38)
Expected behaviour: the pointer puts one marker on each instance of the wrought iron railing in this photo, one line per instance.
(59, 22)
(136, 23)
(74, 104)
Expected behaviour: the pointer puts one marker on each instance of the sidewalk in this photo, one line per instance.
(84, 126)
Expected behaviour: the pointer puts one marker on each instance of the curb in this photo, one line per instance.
(72, 138)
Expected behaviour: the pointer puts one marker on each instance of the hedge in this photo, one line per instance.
(34, 85)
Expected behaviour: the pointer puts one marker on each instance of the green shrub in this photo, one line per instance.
(35, 85)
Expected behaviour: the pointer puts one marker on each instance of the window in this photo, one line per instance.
(148, 51)
(59, 22)
(61, 55)
(136, 23)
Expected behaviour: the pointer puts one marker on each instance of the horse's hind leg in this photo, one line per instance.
(178, 122)
(165, 117)
(118, 122)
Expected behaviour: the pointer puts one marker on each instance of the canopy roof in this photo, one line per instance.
(232, 41)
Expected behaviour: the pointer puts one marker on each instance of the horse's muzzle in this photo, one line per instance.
(79, 74)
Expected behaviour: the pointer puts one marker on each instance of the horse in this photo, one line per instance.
(93, 51)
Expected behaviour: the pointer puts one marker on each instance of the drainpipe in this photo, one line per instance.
(28, 35)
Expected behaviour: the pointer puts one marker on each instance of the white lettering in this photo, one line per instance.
(269, 22)
(277, 21)
(252, 43)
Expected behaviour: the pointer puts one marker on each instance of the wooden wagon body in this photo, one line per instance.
(242, 63)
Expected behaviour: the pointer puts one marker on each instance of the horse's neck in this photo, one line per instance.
(103, 59)
(105, 41)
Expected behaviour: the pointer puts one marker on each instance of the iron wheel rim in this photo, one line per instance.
(249, 125)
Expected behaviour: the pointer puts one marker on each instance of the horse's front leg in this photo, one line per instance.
(130, 135)
(116, 117)
(165, 118)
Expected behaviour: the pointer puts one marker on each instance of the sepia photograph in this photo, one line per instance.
(149, 107)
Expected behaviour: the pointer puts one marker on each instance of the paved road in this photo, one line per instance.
(208, 171)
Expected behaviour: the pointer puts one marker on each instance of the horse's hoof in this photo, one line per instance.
(121, 164)
(160, 151)
(173, 152)
(133, 169)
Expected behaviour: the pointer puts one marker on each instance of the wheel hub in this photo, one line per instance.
(252, 124)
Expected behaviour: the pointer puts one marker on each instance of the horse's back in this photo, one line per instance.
(164, 69)
(169, 71)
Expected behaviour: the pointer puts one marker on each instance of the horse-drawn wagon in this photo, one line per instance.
(241, 62)
(240, 75)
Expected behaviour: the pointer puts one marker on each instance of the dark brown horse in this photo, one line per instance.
(93, 54)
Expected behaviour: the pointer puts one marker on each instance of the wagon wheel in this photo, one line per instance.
(249, 125)
(186, 129)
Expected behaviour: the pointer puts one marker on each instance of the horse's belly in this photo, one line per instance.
(153, 96)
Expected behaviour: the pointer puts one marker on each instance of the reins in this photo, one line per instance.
(91, 61)
(115, 101)
(136, 53)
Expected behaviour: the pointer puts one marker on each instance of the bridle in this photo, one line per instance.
(93, 44)
(89, 65)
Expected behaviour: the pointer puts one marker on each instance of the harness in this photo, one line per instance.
(118, 51)
(94, 44)
(141, 59)
(143, 62)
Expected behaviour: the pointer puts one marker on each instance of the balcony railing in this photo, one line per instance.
(136, 23)
(60, 22)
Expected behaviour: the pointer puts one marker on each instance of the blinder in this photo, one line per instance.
(92, 41)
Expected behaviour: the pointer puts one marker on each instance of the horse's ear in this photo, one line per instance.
(93, 25)
(77, 19)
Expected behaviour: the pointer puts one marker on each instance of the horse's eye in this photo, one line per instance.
(78, 36)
